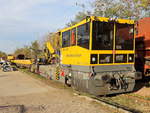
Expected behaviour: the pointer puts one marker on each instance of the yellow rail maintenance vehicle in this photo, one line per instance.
(10, 57)
(22, 62)
(50, 53)
(97, 56)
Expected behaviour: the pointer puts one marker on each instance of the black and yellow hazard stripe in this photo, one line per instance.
(57, 72)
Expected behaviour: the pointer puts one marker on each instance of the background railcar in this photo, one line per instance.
(143, 46)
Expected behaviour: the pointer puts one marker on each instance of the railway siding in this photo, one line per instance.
(122, 103)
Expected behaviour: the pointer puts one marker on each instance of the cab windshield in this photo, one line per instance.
(103, 33)
(103, 36)
(124, 36)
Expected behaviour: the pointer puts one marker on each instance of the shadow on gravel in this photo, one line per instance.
(39, 108)
(12, 109)
(145, 82)
(3, 75)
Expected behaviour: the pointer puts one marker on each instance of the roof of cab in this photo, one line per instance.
(102, 19)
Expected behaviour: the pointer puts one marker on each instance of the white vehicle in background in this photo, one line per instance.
(5, 66)
(2, 61)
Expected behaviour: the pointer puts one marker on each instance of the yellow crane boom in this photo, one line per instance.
(50, 48)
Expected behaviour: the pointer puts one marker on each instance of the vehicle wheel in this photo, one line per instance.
(67, 81)
(7, 69)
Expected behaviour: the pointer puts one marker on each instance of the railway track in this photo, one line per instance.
(106, 101)
(115, 105)
(129, 98)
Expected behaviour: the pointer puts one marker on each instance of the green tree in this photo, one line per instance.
(134, 9)
(78, 17)
(32, 51)
(129, 9)
(24, 51)
(2, 54)
(36, 49)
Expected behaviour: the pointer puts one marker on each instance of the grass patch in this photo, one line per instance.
(140, 97)
(131, 103)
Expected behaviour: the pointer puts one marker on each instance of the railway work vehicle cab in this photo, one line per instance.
(97, 55)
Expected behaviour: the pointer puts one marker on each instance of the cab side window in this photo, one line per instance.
(83, 35)
(73, 37)
(66, 39)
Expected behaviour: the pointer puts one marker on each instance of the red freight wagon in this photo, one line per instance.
(143, 45)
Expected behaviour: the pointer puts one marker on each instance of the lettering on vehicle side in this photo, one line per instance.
(73, 55)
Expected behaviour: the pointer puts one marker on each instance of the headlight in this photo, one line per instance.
(131, 58)
(94, 58)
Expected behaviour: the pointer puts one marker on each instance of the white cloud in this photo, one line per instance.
(13, 12)
(9, 46)
(20, 18)
(16, 10)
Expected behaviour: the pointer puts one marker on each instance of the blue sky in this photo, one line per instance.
(23, 21)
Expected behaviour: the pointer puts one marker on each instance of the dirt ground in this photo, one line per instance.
(145, 91)
(18, 88)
